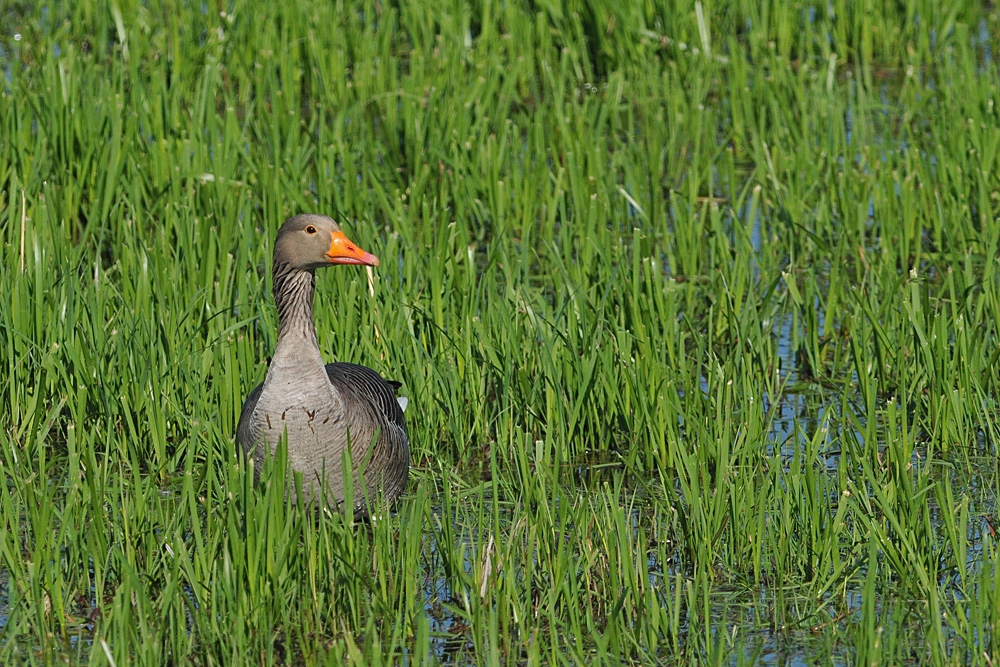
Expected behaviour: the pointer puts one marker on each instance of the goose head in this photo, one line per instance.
(313, 241)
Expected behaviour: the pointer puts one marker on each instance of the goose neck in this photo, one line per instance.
(293, 295)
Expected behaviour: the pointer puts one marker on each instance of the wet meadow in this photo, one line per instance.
(696, 305)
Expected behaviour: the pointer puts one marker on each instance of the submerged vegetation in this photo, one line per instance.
(696, 305)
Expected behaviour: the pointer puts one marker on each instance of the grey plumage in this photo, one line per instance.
(324, 409)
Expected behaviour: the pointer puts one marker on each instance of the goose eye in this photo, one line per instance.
(310, 230)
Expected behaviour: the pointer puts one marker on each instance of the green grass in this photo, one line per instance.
(696, 304)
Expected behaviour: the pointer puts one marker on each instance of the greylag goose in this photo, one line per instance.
(324, 410)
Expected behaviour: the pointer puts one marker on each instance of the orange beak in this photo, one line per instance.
(344, 251)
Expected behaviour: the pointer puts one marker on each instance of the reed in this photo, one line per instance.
(696, 305)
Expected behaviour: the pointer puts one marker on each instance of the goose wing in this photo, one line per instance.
(364, 384)
(245, 437)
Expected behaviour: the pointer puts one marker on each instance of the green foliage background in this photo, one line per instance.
(696, 305)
